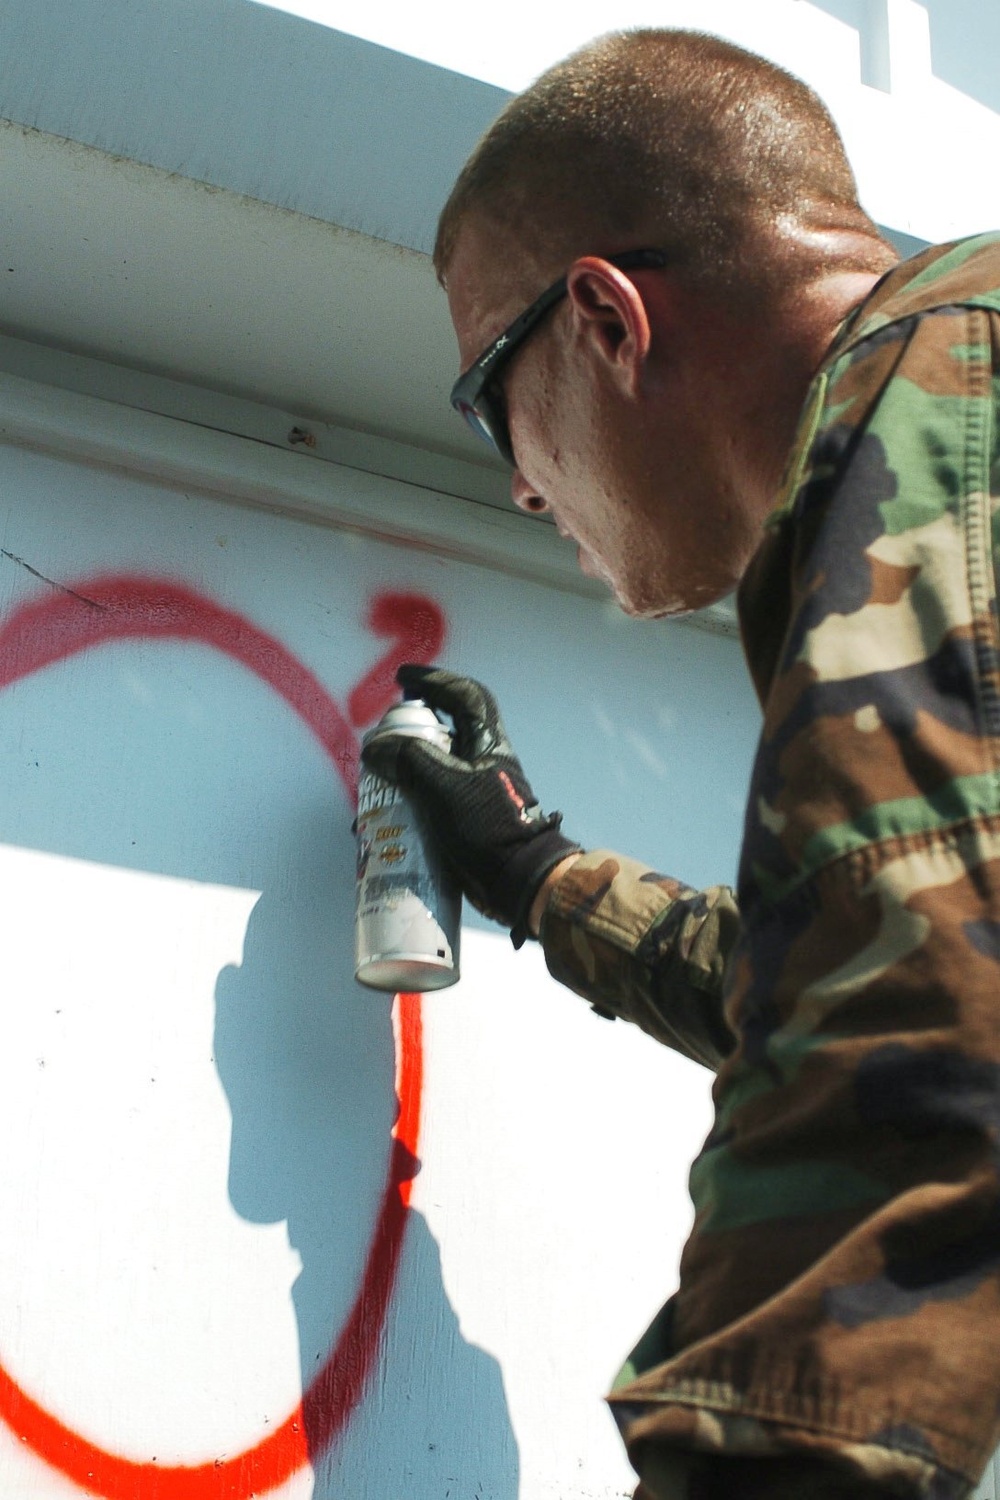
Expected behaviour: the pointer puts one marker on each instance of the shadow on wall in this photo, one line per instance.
(965, 42)
(965, 45)
(304, 1064)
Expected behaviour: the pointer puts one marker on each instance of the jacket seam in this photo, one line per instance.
(876, 323)
(978, 543)
(874, 854)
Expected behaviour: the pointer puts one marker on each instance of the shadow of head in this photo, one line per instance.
(307, 1060)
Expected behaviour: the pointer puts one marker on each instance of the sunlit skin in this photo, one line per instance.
(652, 418)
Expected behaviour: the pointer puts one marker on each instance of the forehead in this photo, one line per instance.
(490, 280)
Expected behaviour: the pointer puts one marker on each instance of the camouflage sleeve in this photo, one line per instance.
(644, 947)
(839, 1295)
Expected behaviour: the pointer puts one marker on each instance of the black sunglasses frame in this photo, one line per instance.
(483, 409)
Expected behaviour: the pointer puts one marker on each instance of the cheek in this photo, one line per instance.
(560, 410)
(532, 429)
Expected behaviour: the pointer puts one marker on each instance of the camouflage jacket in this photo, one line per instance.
(840, 1292)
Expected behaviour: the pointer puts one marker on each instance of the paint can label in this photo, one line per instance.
(408, 913)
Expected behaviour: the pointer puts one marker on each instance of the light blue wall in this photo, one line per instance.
(250, 99)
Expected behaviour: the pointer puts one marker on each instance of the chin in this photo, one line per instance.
(637, 610)
(637, 602)
(644, 609)
(661, 604)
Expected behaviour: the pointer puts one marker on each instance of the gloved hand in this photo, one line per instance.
(476, 800)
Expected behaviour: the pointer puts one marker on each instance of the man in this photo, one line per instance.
(698, 353)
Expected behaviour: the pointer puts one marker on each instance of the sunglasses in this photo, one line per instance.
(477, 397)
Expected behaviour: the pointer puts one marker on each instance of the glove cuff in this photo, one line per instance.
(524, 872)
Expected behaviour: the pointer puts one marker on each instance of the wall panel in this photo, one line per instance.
(203, 1099)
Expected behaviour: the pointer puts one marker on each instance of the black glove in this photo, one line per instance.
(480, 810)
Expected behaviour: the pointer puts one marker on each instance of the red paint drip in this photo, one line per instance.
(129, 607)
(417, 627)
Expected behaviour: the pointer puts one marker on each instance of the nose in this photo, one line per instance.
(524, 497)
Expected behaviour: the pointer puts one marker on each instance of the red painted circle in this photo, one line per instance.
(128, 607)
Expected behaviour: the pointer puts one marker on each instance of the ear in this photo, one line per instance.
(610, 310)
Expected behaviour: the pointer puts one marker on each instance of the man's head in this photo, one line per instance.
(634, 403)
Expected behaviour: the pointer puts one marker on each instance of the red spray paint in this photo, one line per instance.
(416, 627)
(102, 610)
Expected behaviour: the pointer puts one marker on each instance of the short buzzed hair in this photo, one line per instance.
(676, 139)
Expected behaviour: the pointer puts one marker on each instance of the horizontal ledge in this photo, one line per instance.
(249, 471)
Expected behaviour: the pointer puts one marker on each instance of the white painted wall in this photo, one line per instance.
(200, 1095)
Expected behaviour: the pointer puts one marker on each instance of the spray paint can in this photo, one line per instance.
(408, 914)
